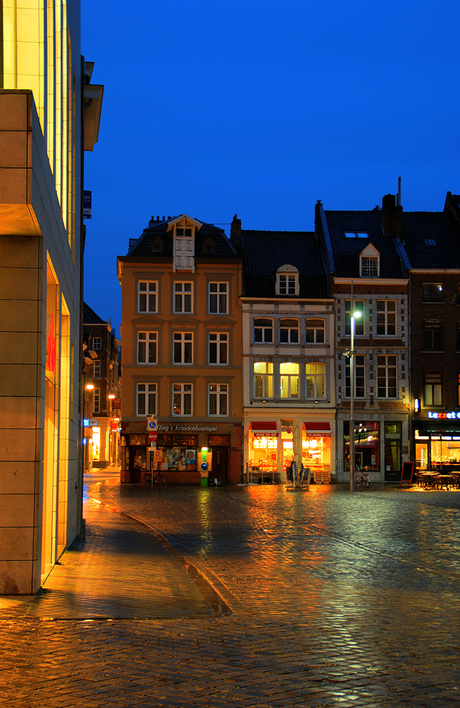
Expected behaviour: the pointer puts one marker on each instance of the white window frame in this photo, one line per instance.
(290, 330)
(287, 284)
(182, 399)
(97, 400)
(147, 394)
(218, 398)
(359, 379)
(385, 315)
(97, 369)
(97, 343)
(147, 297)
(369, 266)
(266, 380)
(264, 330)
(183, 296)
(387, 376)
(218, 348)
(183, 348)
(316, 377)
(291, 377)
(218, 292)
(318, 327)
(359, 321)
(147, 347)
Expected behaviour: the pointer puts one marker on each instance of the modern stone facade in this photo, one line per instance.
(40, 289)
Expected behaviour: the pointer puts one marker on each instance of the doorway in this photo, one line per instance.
(220, 464)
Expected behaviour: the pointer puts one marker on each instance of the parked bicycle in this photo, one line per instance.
(362, 478)
(159, 479)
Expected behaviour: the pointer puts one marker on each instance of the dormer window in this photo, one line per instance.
(369, 262)
(184, 229)
(287, 280)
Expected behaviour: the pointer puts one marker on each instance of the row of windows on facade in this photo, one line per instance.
(288, 376)
(285, 377)
(183, 297)
(183, 294)
(182, 399)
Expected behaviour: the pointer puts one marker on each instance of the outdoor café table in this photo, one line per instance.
(443, 480)
(426, 479)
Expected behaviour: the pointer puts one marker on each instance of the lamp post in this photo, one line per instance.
(353, 317)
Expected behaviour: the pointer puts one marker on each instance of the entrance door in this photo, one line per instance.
(220, 464)
(137, 462)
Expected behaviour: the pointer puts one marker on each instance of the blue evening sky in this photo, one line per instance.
(215, 108)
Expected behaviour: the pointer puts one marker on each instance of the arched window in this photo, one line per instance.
(263, 379)
(289, 331)
(315, 331)
(315, 372)
(287, 280)
(289, 380)
(263, 331)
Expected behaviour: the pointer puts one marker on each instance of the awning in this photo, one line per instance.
(264, 429)
(318, 430)
(437, 427)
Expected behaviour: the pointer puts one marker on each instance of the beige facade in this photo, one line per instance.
(181, 354)
(40, 245)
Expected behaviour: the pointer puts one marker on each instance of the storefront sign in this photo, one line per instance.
(262, 443)
(439, 416)
(188, 428)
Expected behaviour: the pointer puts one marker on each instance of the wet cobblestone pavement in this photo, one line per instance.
(336, 599)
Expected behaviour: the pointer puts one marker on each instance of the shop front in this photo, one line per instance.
(437, 442)
(186, 454)
(380, 446)
(272, 445)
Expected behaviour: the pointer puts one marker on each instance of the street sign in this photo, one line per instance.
(116, 403)
(92, 422)
(151, 424)
(152, 436)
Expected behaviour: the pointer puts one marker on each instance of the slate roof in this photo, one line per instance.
(346, 250)
(90, 317)
(266, 251)
(441, 227)
(156, 234)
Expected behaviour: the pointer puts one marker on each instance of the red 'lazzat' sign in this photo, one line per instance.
(51, 348)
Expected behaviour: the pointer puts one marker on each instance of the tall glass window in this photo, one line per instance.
(315, 379)
(289, 380)
(386, 318)
(263, 379)
(359, 377)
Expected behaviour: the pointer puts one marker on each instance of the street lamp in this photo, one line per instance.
(354, 315)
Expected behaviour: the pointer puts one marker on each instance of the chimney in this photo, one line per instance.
(392, 216)
(235, 233)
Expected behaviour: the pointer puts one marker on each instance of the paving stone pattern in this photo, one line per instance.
(337, 599)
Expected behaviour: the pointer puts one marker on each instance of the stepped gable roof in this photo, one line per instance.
(90, 317)
(266, 251)
(156, 241)
(346, 250)
(431, 239)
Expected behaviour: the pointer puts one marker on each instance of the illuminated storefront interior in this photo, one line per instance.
(437, 448)
(367, 445)
(272, 446)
